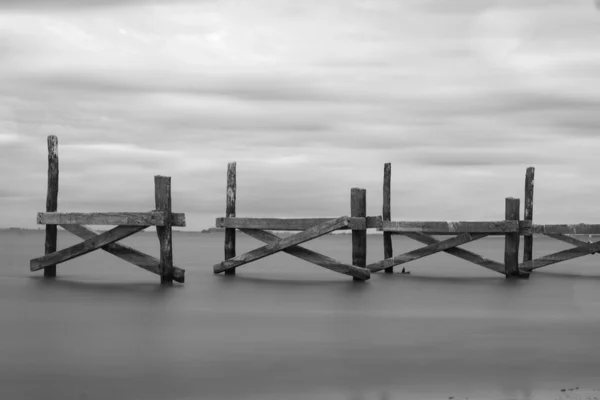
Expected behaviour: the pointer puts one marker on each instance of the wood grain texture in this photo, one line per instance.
(311, 256)
(560, 256)
(386, 215)
(511, 240)
(257, 254)
(287, 224)
(51, 201)
(113, 235)
(358, 209)
(230, 213)
(528, 213)
(150, 218)
(162, 199)
(573, 229)
(126, 253)
(460, 253)
(425, 251)
(451, 227)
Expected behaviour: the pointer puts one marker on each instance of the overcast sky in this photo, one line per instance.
(310, 98)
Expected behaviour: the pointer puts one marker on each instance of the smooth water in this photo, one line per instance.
(285, 329)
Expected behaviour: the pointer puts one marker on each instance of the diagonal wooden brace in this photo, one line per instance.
(311, 256)
(583, 249)
(126, 253)
(460, 253)
(425, 251)
(113, 235)
(299, 238)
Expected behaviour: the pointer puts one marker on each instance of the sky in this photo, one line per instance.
(310, 98)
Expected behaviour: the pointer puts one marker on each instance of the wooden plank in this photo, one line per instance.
(162, 199)
(528, 240)
(113, 235)
(560, 256)
(51, 201)
(461, 253)
(286, 224)
(425, 251)
(388, 250)
(126, 253)
(358, 208)
(450, 227)
(569, 239)
(150, 218)
(572, 229)
(229, 213)
(511, 240)
(257, 254)
(311, 256)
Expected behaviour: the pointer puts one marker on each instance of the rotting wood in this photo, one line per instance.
(386, 215)
(358, 209)
(51, 201)
(229, 213)
(311, 256)
(560, 256)
(256, 254)
(288, 224)
(162, 198)
(460, 253)
(511, 240)
(113, 235)
(425, 251)
(528, 213)
(150, 218)
(126, 253)
(451, 227)
(572, 229)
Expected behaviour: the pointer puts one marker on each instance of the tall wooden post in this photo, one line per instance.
(358, 208)
(162, 196)
(528, 240)
(230, 212)
(388, 251)
(51, 201)
(511, 240)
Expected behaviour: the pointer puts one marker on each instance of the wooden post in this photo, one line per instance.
(528, 240)
(511, 240)
(162, 196)
(388, 250)
(51, 201)
(230, 212)
(358, 208)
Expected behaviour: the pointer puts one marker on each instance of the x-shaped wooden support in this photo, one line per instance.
(290, 244)
(582, 248)
(434, 246)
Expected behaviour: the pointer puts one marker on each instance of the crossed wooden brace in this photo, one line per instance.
(434, 246)
(290, 246)
(581, 249)
(105, 241)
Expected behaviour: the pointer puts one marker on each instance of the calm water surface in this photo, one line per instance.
(284, 329)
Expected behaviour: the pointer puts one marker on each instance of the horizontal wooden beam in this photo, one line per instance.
(292, 224)
(151, 218)
(461, 253)
(126, 253)
(425, 251)
(450, 227)
(299, 238)
(560, 256)
(573, 229)
(113, 235)
(312, 256)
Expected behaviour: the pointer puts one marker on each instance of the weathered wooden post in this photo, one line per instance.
(511, 240)
(51, 201)
(162, 196)
(528, 240)
(388, 251)
(358, 208)
(230, 212)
